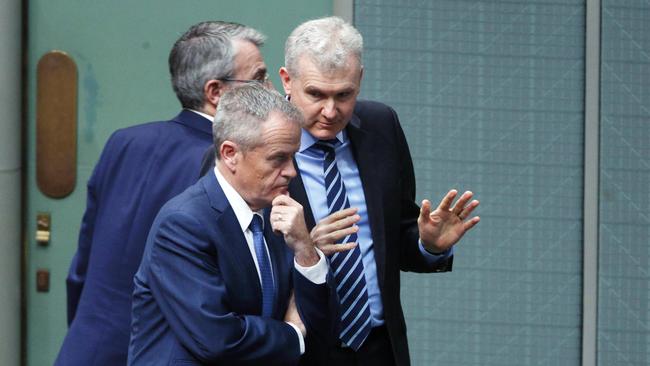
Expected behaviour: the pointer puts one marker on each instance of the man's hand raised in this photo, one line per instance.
(443, 228)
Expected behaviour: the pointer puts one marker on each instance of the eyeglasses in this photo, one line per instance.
(264, 80)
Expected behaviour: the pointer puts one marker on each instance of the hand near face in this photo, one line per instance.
(334, 228)
(442, 228)
(287, 218)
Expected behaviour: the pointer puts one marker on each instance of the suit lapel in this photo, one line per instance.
(234, 242)
(365, 153)
(297, 192)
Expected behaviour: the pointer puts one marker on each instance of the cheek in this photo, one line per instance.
(311, 114)
(346, 109)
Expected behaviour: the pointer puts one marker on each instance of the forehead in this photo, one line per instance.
(310, 72)
(280, 133)
(248, 57)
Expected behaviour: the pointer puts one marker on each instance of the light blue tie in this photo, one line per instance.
(346, 266)
(268, 290)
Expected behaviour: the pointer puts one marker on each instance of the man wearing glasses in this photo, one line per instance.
(141, 168)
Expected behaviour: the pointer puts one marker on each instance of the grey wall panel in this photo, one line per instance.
(624, 261)
(491, 96)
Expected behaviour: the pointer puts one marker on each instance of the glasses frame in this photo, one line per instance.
(248, 81)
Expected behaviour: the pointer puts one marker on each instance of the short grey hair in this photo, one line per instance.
(328, 42)
(243, 110)
(203, 53)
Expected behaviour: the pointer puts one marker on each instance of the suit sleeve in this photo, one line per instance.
(317, 306)
(188, 287)
(78, 268)
(411, 257)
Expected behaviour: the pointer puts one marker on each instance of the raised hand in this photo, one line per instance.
(443, 228)
(287, 218)
(334, 228)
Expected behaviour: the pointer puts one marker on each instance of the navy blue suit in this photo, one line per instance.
(140, 168)
(385, 167)
(197, 297)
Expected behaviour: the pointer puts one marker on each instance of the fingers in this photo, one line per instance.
(284, 200)
(329, 249)
(470, 223)
(467, 211)
(445, 204)
(462, 201)
(425, 210)
(326, 237)
(336, 226)
(338, 215)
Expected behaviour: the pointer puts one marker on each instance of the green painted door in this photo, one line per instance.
(120, 49)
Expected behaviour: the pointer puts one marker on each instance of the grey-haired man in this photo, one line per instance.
(140, 168)
(354, 168)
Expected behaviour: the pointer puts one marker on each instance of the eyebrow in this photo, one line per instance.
(312, 88)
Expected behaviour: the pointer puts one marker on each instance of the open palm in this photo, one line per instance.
(446, 225)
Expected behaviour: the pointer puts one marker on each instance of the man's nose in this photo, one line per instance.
(290, 170)
(329, 109)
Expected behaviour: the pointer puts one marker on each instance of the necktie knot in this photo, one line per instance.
(256, 224)
(326, 146)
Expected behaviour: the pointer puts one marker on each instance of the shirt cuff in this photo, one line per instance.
(434, 258)
(316, 273)
(301, 339)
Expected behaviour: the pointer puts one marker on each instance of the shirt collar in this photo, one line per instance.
(207, 116)
(242, 211)
(307, 140)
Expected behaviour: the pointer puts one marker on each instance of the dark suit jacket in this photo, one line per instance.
(388, 180)
(140, 168)
(197, 297)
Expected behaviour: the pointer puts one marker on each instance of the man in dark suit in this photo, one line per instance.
(355, 168)
(140, 168)
(215, 283)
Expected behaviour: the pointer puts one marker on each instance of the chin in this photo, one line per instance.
(326, 134)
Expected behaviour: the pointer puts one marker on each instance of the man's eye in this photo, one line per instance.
(278, 159)
(314, 94)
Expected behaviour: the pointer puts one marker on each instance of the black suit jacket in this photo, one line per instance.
(386, 171)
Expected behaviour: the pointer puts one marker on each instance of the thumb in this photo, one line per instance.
(425, 210)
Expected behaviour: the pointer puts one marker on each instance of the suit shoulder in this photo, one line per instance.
(149, 131)
(193, 202)
(192, 199)
(371, 107)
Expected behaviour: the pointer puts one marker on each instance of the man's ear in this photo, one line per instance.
(229, 155)
(286, 80)
(212, 92)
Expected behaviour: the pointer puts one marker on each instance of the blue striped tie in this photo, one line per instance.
(265, 266)
(346, 266)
